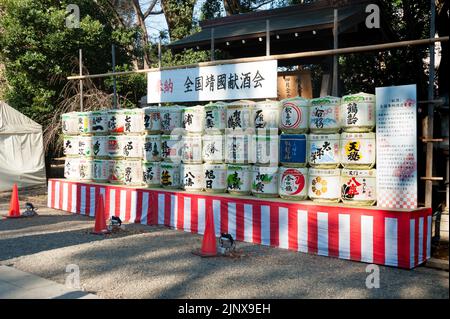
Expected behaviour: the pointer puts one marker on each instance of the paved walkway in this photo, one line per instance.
(16, 284)
(156, 262)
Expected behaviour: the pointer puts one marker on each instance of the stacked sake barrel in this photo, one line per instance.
(70, 130)
(85, 145)
(171, 145)
(125, 146)
(327, 149)
(191, 170)
(251, 148)
(266, 119)
(358, 153)
(239, 147)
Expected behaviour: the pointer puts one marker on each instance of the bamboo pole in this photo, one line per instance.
(373, 47)
(81, 81)
(267, 37)
(113, 54)
(212, 45)
(334, 90)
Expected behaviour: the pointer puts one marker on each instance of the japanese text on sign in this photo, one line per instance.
(222, 82)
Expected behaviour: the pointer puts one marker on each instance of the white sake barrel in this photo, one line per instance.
(215, 118)
(171, 148)
(69, 123)
(323, 185)
(99, 121)
(70, 145)
(213, 148)
(265, 181)
(358, 150)
(100, 146)
(239, 179)
(359, 187)
(239, 117)
(239, 149)
(86, 146)
(193, 119)
(152, 119)
(171, 117)
(84, 123)
(170, 175)
(324, 115)
(132, 146)
(86, 169)
(192, 149)
(116, 120)
(151, 173)
(152, 148)
(132, 172)
(133, 121)
(266, 115)
(215, 177)
(102, 171)
(358, 112)
(266, 147)
(192, 176)
(295, 115)
(323, 150)
(72, 168)
(115, 146)
(293, 183)
(116, 168)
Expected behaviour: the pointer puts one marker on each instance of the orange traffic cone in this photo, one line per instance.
(100, 227)
(14, 209)
(209, 245)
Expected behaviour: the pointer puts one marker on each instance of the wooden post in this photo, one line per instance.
(430, 114)
(81, 81)
(212, 44)
(335, 56)
(159, 52)
(267, 37)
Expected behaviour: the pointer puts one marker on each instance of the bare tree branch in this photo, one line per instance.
(150, 8)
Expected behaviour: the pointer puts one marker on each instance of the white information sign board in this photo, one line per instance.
(396, 146)
(252, 80)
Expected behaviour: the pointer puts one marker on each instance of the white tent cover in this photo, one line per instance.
(21, 150)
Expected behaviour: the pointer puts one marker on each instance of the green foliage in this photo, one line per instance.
(39, 51)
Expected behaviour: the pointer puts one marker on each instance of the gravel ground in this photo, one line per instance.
(156, 262)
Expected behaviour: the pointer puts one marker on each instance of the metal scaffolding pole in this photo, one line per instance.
(81, 81)
(430, 114)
